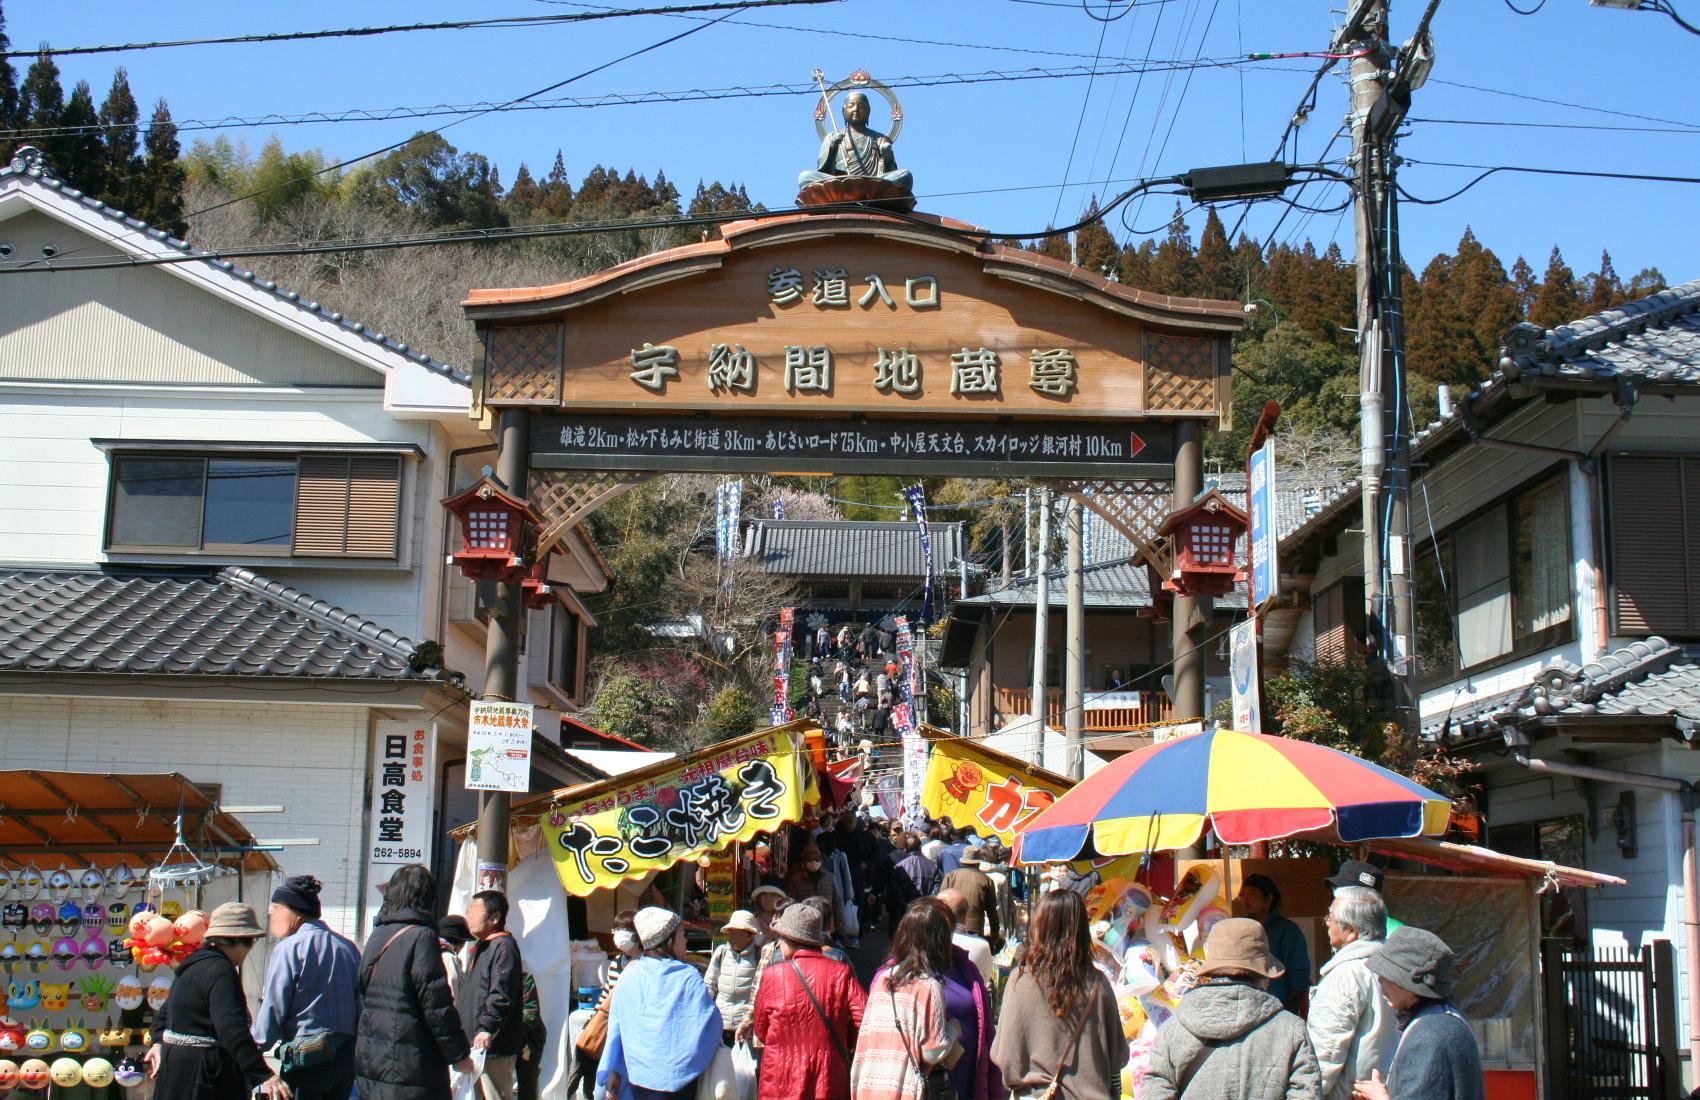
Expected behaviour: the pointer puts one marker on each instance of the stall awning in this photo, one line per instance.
(600, 834)
(94, 817)
(1472, 860)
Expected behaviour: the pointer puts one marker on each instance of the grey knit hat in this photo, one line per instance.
(1416, 961)
(655, 926)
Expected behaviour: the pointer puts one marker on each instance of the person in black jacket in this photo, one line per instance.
(205, 1051)
(408, 1035)
(492, 992)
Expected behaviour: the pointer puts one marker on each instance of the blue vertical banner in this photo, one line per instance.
(918, 504)
(1260, 500)
(1088, 523)
(779, 509)
(720, 535)
(734, 504)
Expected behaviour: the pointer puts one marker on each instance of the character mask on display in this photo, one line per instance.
(59, 885)
(38, 1039)
(28, 882)
(97, 1073)
(8, 1075)
(120, 878)
(94, 916)
(94, 952)
(55, 996)
(65, 952)
(22, 995)
(67, 1073)
(117, 952)
(95, 991)
(32, 1074)
(128, 994)
(11, 1037)
(70, 917)
(41, 917)
(171, 910)
(117, 919)
(37, 954)
(14, 916)
(90, 884)
(129, 1073)
(10, 954)
(115, 1037)
(159, 991)
(75, 1039)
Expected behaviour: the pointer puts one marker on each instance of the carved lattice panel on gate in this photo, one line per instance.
(565, 498)
(1134, 508)
(522, 364)
(1180, 373)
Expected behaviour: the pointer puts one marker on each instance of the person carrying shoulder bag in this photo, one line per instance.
(1059, 1032)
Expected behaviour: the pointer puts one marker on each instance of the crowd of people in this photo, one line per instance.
(939, 1019)
(853, 672)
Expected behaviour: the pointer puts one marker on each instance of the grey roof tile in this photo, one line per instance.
(1109, 585)
(1651, 678)
(27, 162)
(850, 548)
(233, 623)
(1654, 339)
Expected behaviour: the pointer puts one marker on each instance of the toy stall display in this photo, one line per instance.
(87, 957)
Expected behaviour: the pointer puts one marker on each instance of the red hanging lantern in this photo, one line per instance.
(1205, 537)
(496, 530)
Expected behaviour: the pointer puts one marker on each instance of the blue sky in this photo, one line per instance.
(992, 153)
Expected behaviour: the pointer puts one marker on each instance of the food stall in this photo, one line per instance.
(105, 880)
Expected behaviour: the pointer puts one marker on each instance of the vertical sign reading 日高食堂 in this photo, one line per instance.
(498, 746)
(403, 782)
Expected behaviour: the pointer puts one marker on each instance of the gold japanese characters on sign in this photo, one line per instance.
(974, 372)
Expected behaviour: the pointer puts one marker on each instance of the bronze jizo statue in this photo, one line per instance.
(856, 163)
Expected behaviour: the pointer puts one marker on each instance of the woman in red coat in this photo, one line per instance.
(806, 1044)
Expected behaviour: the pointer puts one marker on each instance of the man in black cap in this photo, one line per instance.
(1437, 1057)
(310, 1005)
(1355, 872)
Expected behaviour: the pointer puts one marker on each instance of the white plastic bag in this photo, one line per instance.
(744, 1066)
(718, 1082)
(852, 922)
(465, 1085)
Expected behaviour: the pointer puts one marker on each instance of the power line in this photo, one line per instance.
(1103, 28)
(520, 99)
(1556, 125)
(625, 99)
(502, 22)
(1488, 170)
(1562, 103)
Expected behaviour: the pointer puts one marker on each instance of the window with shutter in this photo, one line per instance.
(348, 505)
(1337, 621)
(1655, 540)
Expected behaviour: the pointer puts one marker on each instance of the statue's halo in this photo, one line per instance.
(859, 81)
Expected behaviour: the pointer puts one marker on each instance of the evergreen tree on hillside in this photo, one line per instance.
(1054, 245)
(1136, 263)
(717, 198)
(121, 167)
(162, 176)
(435, 181)
(1464, 306)
(1649, 280)
(1605, 289)
(555, 200)
(78, 154)
(523, 197)
(10, 116)
(1214, 275)
(1523, 285)
(1558, 301)
(41, 101)
(1173, 268)
(1094, 248)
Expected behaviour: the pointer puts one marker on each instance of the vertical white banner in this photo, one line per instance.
(1242, 669)
(404, 770)
(498, 746)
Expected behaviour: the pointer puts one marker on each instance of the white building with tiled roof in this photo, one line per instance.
(221, 547)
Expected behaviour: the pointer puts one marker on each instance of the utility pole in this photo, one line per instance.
(1382, 83)
(1074, 650)
(1191, 613)
(501, 646)
(1041, 627)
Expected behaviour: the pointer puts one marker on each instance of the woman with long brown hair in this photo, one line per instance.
(905, 1038)
(1059, 1020)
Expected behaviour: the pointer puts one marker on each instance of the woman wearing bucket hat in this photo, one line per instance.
(731, 974)
(1437, 1057)
(806, 1014)
(663, 1028)
(206, 1051)
(1230, 1036)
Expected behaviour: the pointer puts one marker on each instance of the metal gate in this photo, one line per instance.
(1611, 1022)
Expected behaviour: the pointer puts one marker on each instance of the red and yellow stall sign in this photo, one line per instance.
(710, 799)
(986, 790)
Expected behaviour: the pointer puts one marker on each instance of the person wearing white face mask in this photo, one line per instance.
(809, 878)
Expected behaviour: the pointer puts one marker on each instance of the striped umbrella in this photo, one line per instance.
(1247, 786)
